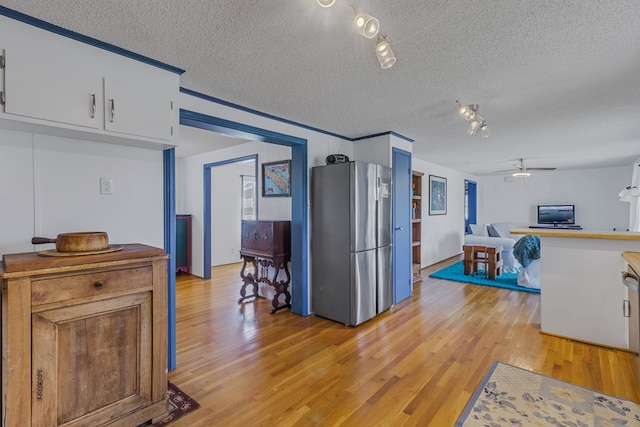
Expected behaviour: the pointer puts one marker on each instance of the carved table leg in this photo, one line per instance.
(248, 279)
(281, 287)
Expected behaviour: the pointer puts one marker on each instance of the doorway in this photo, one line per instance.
(226, 228)
(299, 214)
(470, 205)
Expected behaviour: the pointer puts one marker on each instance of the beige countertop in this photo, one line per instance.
(585, 234)
(633, 259)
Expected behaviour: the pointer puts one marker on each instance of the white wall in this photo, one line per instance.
(594, 192)
(442, 235)
(51, 185)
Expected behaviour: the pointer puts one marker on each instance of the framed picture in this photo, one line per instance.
(276, 179)
(437, 195)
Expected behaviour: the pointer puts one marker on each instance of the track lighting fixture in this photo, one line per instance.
(474, 125)
(369, 27)
(476, 121)
(326, 3)
(385, 55)
(484, 130)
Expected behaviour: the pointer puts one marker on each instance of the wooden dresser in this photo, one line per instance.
(84, 338)
(266, 244)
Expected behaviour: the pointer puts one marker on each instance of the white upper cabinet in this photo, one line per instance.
(52, 80)
(42, 82)
(142, 107)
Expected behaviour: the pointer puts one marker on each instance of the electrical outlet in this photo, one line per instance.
(106, 186)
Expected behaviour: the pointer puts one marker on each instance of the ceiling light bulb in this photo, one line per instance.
(385, 55)
(326, 3)
(521, 174)
(367, 25)
(462, 109)
(473, 127)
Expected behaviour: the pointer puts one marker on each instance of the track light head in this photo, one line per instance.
(326, 3)
(384, 53)
(367, 25)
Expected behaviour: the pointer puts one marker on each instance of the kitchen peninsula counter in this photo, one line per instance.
(633, 259)
(581, 294)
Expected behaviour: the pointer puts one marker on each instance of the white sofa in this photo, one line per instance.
(493, 235)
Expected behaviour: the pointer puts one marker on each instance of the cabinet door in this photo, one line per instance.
(91, 363)
(46, 78)
(139, 105)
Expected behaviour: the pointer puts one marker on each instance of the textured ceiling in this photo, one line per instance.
(558, 81)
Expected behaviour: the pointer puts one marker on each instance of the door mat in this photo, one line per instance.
(181, 404)
(511, 396)
(455, 272)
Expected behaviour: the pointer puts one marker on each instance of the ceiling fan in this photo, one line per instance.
(521, 171)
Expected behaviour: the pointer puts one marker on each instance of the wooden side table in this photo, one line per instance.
(492, 253)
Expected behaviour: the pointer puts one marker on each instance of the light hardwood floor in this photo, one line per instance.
(416, 365)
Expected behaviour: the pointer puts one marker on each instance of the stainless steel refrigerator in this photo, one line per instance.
(351, 278)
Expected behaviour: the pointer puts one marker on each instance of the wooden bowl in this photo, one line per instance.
(84, 241)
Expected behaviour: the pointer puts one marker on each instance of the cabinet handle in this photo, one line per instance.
(626, 308)
(93, 105)
(113, 110)
(98, 284)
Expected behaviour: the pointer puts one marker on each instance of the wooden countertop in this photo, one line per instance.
(30, 263)
(585, 234)
(633, 259)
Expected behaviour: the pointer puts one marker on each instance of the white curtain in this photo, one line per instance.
(634, 208)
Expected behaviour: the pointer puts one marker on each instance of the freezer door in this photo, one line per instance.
(384, 280)
(384, 208)
(363, 286)
(363, 209)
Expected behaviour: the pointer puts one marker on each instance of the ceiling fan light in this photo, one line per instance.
(628, 192)
(367, 25)
(521, 174)
(326, 3)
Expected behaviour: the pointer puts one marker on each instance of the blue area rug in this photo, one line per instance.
(455, 272)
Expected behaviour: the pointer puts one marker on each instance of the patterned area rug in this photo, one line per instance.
(455, 272)
(181, 404)
(511, 396)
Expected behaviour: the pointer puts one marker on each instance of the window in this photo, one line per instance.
(248, 197)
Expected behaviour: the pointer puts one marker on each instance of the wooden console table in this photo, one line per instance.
(266, 244)
(494, 255)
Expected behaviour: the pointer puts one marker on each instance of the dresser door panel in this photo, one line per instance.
(87, 366)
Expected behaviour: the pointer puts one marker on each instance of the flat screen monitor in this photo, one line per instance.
(556, 214)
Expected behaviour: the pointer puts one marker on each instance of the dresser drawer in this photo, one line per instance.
(44, 291)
